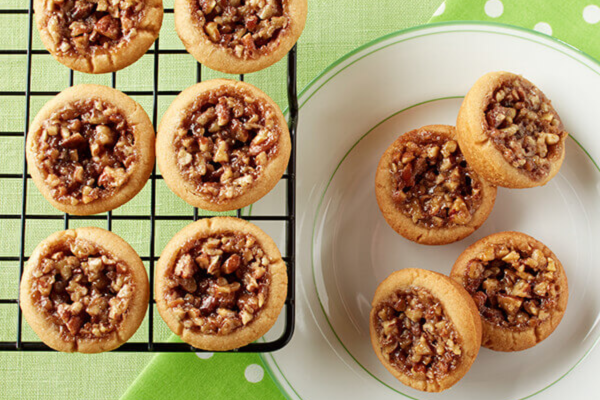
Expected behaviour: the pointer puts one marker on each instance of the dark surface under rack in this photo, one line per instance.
(288, 312)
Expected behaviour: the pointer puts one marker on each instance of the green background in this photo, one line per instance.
(333, 28)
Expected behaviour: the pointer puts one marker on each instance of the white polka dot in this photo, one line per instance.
(591, 14)
(204, 356)
(254, 373)
(440, 10)
(544, 28)
(494, 8)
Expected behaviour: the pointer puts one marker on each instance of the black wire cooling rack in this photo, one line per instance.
(288, 217)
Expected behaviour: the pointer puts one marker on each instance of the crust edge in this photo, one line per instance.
(270, 311)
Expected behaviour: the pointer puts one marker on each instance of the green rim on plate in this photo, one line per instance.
(305, 93)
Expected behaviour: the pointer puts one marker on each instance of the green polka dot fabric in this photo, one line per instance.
(576, 22)
(204, 376)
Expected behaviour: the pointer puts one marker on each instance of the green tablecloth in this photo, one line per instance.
(333, 29)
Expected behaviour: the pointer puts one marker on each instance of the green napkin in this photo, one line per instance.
(203, 376)
(576, 22)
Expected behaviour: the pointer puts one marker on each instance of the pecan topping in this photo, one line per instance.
(416, 335)
(513, 286)
(220, 283)
(85, 151)
(245, 28)
(82, 289)
(433, 184)
(87, 26)
(225, 142)
(524, 126)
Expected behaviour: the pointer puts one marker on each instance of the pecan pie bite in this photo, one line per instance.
(519, 286)
(90, 149)
(427, 191)
(222, 145)
(220, 283)
(239, 36)
(424, 329)
(84, 290)
(98, 36)
(510, 133)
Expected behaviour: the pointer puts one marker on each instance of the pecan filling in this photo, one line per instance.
(87, 26)
(82, 289)
(219, 284)
(225, 142)
(247, 28)
(524, 126)
(85, 151)
(433, 184)
(514, 287)
(416, 335)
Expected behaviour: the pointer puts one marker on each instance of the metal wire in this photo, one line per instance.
(289, 218)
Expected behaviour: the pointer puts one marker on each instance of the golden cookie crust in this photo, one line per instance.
(504, 338)
(143, 132)
(103, 61)
(459, 308)
(384, 187)
(47, 331)
(479, 149)
(269, 311)
(167, 157)
(218, 58)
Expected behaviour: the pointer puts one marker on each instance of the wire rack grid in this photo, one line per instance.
(288, 217)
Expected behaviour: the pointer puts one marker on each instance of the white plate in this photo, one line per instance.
(348, 117)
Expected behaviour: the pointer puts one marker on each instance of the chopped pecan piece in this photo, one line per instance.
(74, 141)
(108, 27)
(185, 267)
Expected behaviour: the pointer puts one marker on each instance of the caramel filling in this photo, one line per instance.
(85, 151)
(433, 185)
(524, 127)
(85, 27)
(219, 284)
(514, 286)
(225, 142)
(246, 28)
(416, 335)
(82, 289)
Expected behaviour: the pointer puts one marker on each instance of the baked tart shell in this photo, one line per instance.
(504, 338)
(269, 312)
(49, 332)
(110, 60)
(215, 57)
(143, 133)
(167, 157)
(404, 225)
(459, 308)
(479, 149)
